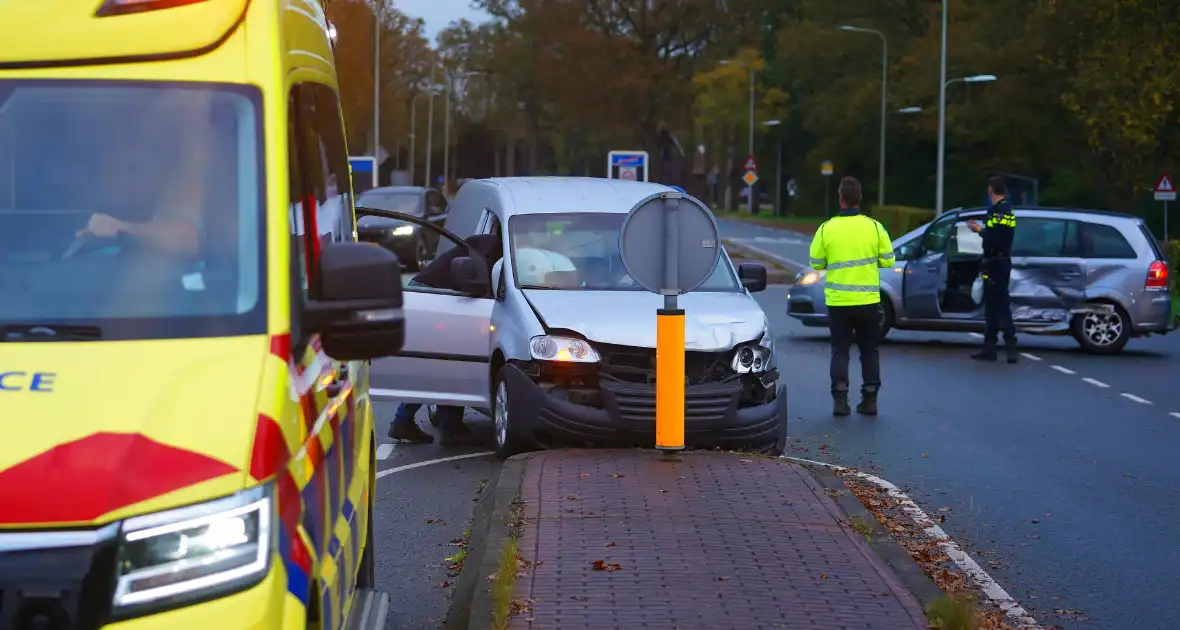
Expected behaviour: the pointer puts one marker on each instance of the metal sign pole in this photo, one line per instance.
(1166, 222)
(670, 341)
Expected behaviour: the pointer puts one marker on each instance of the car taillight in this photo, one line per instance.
(1157, 275)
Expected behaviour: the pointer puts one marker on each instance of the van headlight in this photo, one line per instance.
(187, 552)
(562, 349)
(754, 356)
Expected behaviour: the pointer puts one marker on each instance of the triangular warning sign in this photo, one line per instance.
(751, 164)
(1164, 184)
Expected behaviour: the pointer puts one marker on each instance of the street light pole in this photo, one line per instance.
(413, 135)
(447, 134)
(884, 93)
(429, 126)
(938, 186)
(377, 87)
(778, 177)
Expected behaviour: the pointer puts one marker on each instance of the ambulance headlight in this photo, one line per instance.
(195, 551)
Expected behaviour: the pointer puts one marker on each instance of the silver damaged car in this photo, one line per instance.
(553, 339)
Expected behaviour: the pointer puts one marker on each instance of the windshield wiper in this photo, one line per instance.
(49, 332)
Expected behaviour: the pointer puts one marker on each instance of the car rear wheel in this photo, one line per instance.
(508, 443)
(1102, 333)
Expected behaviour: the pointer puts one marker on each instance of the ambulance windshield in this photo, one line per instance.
(133, 206)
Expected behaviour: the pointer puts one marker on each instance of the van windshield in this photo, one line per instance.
(133, 207)
(580, 252)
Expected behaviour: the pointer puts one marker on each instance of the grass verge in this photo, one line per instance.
(511, 565)
(1175, 305)
(952, 613)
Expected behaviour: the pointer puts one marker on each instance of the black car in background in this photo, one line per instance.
(414, 247)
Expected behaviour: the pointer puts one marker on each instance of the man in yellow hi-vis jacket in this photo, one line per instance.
(850, 248)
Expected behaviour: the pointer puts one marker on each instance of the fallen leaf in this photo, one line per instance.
(938, 518)
(823, 576)
(1032, 537)
(1036, 520)
(617, 475)
(583, 475)
(434, 521)
(722, 578)
(925, 454)
(610, 544)
(444, 584)
(600, 565)
(577, 598)
(746, 461)
(1067, 611)
(945, 509)
(663, 492)
(571, 497)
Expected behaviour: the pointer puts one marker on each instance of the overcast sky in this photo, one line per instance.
(438, 14)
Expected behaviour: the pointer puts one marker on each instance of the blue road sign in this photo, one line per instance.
(364, 173)
(627, 160)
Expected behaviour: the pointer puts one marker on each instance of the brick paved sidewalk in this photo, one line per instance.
(715, 540)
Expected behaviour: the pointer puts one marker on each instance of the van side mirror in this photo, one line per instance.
(498, 278)
(359, 314)
(469, 275)
(753, 276)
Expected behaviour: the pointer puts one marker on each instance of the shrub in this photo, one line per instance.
(901, 219)
(1173, 249)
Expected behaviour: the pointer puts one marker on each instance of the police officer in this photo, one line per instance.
(850, 248)
(996, 269)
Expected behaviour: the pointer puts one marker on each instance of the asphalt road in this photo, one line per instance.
(1063, 489)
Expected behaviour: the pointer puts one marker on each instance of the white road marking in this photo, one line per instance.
(1062, 370)
(1095, 382)
(1175, 414)
(1017, 615)
(780, 240)
(792, 265)
(428, 462)
(1030, 357)
(384, 451)
(1142, 401)
(976, 335)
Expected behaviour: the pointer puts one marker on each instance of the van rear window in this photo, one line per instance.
(132, 206)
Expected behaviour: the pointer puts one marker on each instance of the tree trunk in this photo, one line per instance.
(725, 173)
(510, 167)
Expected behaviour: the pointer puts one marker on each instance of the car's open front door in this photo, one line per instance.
(444, 359)
(925, 276)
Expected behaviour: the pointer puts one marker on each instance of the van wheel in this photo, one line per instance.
(886, 310)
(366, 570)
(1102, 333)
(508, 443)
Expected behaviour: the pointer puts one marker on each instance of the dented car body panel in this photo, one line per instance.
(1066, 265)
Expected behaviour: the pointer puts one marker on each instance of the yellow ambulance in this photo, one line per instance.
(186, 322)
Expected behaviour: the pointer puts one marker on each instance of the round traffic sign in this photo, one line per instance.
(628, 173)
(670, 243)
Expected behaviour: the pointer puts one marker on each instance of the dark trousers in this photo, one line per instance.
(997, 307)
(862, 325)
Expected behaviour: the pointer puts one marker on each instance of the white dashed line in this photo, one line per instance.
(384, 451)
(1017, 615)
(1062, 370)
(976, 335)
(1095, 382)
(1142, 401)
(1030, 357)
(1175, 414)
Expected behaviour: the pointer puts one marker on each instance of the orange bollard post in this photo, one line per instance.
(670, 379)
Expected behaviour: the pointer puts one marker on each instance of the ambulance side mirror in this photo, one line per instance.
(359, 310)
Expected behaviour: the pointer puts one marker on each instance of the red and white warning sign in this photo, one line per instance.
(1165, 188)
(629, 173)
(751, 163)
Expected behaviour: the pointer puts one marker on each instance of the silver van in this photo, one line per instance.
(556, 342)
(1098, 276)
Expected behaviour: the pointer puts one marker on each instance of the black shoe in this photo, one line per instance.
(409, 432)
(985, 355)
(457, 435)
(1013, 355)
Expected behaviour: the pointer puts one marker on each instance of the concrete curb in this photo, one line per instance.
(471, 602)
(881, 541)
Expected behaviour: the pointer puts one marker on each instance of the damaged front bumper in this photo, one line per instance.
(582, 410)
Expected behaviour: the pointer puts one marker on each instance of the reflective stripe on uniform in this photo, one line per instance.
(1006, 220)
(855, 288)
(817, 262)
(859, 262)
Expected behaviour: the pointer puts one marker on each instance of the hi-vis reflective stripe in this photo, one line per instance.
(817, 262)
(886, 256)
(855, 288)
(1007, 220)
(860, 262)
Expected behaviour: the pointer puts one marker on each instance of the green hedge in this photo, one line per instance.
(899, 220)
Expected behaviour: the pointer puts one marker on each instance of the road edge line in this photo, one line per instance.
(991, 589)
(790, 265)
